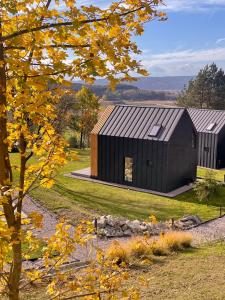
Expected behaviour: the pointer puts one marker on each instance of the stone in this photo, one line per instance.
(109, 226)
(143, 227)
(127, 232)
(194, 219)
(102, 232)
(135, 225)
(101, 222)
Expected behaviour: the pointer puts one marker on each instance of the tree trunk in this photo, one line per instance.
(5, 184)
(15, 272)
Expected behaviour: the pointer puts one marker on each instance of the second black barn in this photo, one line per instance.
(210, 125)
(148, 147)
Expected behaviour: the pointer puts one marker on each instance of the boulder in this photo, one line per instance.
(135, 225)
(101, 222)
(194, 219)
(127, 232)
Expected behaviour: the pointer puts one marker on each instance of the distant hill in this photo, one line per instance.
(169, 83)
(126, 92)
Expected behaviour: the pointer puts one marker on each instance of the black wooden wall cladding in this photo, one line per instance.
(210, 125)
(157, 143)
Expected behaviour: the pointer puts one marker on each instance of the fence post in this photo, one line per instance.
(96, 225)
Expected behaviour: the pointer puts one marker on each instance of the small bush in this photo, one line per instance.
(118, 253)
(73, 142)
(139, 247)
(160, 247)
(142, 247)
(177, 240)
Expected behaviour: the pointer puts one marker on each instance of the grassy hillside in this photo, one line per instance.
(81, 199)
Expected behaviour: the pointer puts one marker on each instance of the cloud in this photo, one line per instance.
(220, 40)
(193, 5)
(185, 62)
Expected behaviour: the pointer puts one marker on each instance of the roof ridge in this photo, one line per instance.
(149, 106)
(206, 109)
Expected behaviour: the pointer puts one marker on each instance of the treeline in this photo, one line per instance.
(137, 94)
(124, 92)
(207, 90)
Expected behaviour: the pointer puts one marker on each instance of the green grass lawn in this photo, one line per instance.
(80, 199)
(219, 174)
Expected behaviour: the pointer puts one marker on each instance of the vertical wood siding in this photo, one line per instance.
(94, 140)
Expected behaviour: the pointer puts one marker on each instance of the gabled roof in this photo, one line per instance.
(140, 122)
(206, 119)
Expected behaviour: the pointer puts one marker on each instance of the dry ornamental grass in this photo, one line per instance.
(142, 247)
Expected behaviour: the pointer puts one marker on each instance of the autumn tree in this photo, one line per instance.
(85, 115)
(207, 90)
(41, 42)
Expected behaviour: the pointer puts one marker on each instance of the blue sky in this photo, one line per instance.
(193, 36)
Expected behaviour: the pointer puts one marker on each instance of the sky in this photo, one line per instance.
(193, 36)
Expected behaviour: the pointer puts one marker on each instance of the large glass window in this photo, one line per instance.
(128, 169)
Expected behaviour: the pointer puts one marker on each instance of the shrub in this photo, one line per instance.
(207, 188)
(73, 142)
(159, 247)
(177, 240)
(138, 247)
(118, 253)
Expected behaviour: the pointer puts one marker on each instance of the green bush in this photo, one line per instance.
(73, 142)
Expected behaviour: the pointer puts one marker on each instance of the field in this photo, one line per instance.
(81, 199)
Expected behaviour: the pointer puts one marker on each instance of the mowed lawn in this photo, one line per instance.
(219, 174)
(80, 199)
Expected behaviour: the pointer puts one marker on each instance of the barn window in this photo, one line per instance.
(155, 130)
(211, 126)
(128, 169)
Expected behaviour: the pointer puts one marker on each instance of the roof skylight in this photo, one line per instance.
(211, 126)
(155, 130)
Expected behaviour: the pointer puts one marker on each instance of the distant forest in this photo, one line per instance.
(124, 92)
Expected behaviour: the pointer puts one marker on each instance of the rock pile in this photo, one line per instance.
(109, 226)
(187, 222)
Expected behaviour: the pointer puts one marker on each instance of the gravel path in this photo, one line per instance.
(210, 231)
(49, 222)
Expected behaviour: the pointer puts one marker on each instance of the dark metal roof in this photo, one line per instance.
(202, 118)
(138, 121)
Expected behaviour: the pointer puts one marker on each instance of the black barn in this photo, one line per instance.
(148, 147)
(210, 126)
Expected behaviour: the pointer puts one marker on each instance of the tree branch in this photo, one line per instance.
(61, 24)
(48, 46)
